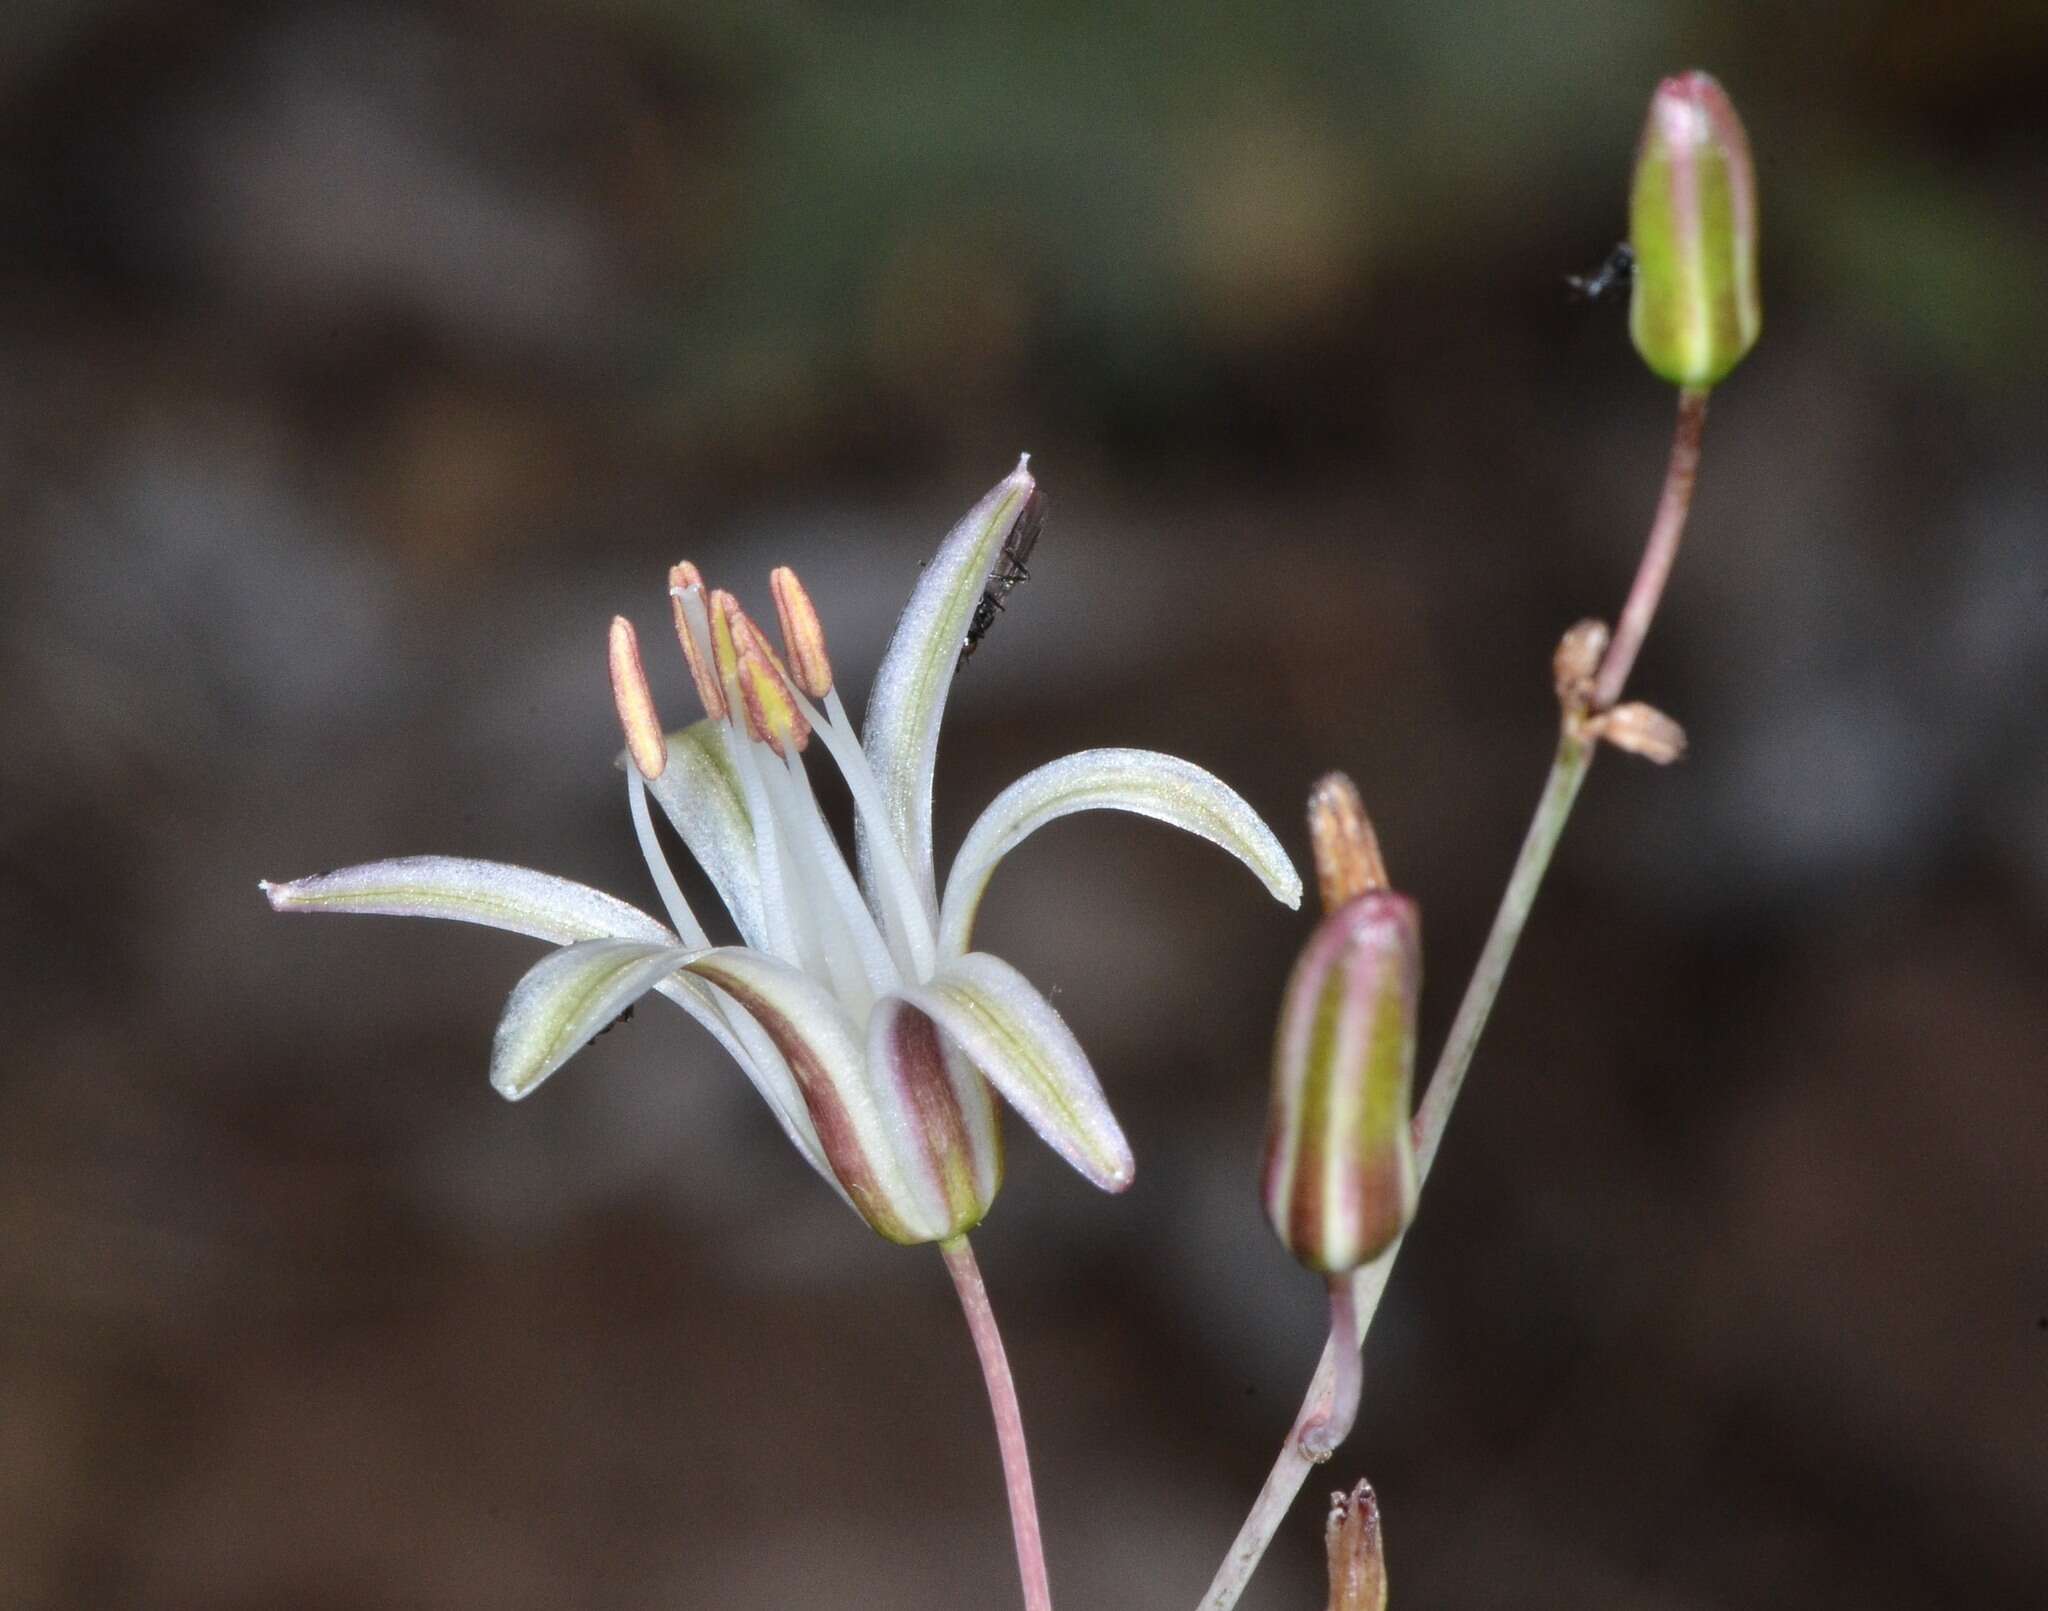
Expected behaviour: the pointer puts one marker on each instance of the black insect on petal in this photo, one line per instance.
(1010, 569)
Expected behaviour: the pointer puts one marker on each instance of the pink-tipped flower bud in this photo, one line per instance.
(1358, 1563)
(1340, 1164)
(1693, 226)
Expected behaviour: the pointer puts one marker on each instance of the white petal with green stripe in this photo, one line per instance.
(565, 999)
(492, 893)
(757, 1057)
(1162, 787)
(827, 1056)
(943, 1113)
(901, 734)
(1011, 1033)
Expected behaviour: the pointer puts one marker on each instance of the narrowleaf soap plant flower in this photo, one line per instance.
(880, 1039)
(856, 1006)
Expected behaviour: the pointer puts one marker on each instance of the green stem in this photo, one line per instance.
(1560, 790)
(1303, 1449)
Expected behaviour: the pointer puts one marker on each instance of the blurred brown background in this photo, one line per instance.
(361, 359)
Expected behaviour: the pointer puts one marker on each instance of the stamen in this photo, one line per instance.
(845, 898)
(820, 954)
(764, 687)
(635, 701)
(803, 635)
(708, 622)
(679, 913)
(779, 894)
(905, 916)
(725, 654)
(906, 924)
(684, 580)
(850, 966)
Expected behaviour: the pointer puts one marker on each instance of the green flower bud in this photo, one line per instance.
(1692, 224)
(1340, 1164)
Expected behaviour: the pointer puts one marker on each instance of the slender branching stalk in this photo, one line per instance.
(1002, 1398)
(1659, 551)
(1307, 1441)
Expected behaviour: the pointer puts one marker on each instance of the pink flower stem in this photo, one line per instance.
(1002, 1398)
(1659, 551)
(1298, 1456)
(1322, 1431)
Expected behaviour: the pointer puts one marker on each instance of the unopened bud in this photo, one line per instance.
(1347, 851)
(1642, 730)
(686, 582)
(803, 635)
(1693, 226)
(1358, 1563)
(1340, 1164)
(635, 701)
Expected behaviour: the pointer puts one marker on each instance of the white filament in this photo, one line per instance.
(904, 909)
(687, 927)
(768, 859)
(877, 960)
(837, 948)
(813, 910)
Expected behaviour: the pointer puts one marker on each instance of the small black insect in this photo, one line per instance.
(1615, 272)
(984, 617)
(1009, 571)
(625, 1017)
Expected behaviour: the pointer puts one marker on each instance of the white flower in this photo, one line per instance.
(855, 1007)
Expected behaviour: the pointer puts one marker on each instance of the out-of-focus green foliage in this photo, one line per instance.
(1943, 273)
(923, 182)
(923, 194)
